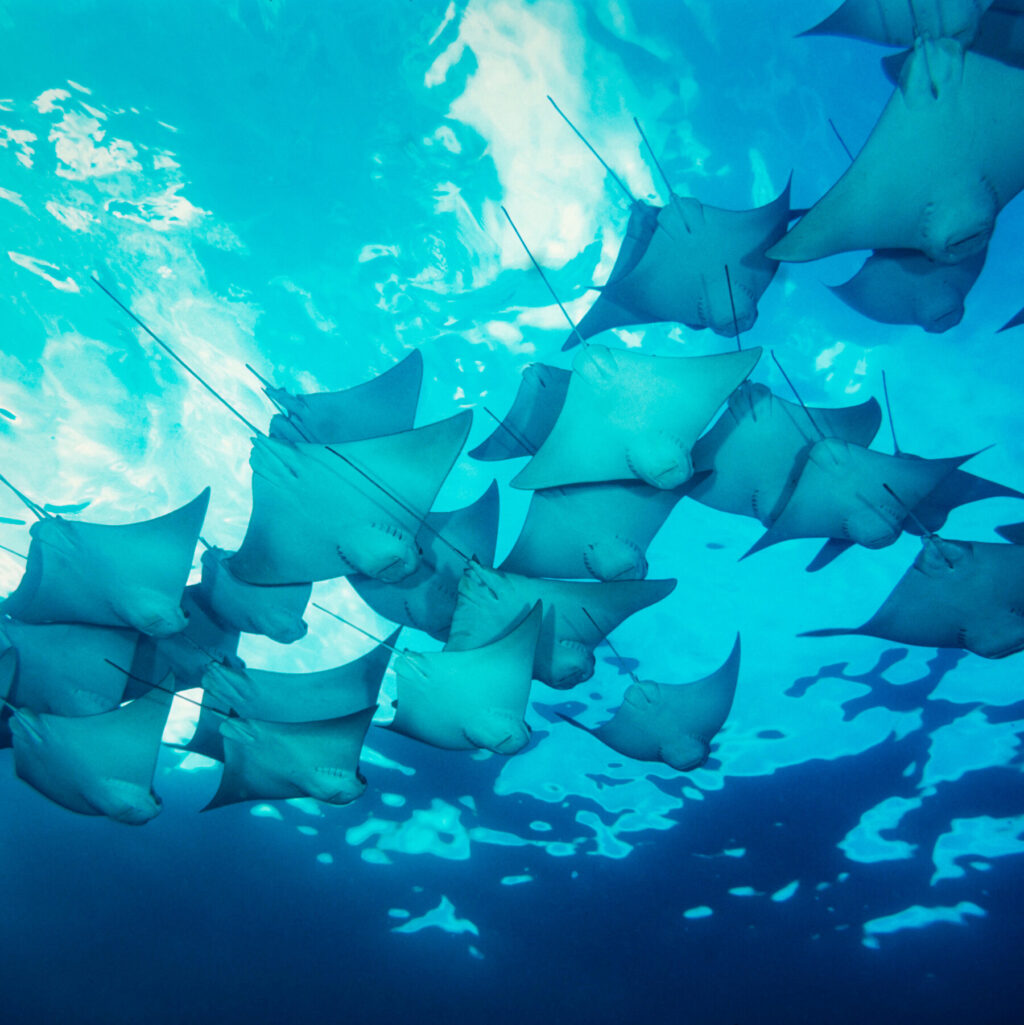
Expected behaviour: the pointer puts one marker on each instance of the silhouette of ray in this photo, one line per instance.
(671, 723)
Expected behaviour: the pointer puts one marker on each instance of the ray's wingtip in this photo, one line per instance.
(732, 661)
(1014, 321)
(1012, 532)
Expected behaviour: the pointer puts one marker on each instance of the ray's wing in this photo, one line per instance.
(607, 312)
(946, 154)
(899, 22)
(535, 408)
(958, 488)
(385, 404)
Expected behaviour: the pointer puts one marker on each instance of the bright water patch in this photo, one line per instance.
(918, 917)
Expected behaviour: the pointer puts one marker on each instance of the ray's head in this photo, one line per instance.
(939, 309)
(383, 551)
(335, 786)
(498, 731)
(957, 223)
(571, 663)
(280, 625)
(715, 305)
(661, 460)
(939, 557)
(615, 558)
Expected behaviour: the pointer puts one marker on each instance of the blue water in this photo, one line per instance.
(315, 189)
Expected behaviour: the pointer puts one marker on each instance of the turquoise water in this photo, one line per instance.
(315, 190)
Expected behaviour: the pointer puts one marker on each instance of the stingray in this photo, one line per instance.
(902, 286)
(272, 610)
(460, 700)
(957, 594)
(671, 723)
(64, 668)
(386, 404)
(1001, 34)
(629, 416)
(854, 495)
(96, 764)
(757, 448)
(577, 617)
(591, 530)
(287, 697)
(425, 600)
(131, 574)
(944, 158)
(321, 512)
(534, 411)
(703, 266)
(686, 262)
(900, 22)
(275, 761)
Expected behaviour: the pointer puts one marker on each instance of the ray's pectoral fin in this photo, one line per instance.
(828, 553)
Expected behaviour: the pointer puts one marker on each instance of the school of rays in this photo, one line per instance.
(104, 630)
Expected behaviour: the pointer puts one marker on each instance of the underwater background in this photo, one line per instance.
(315, 189)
